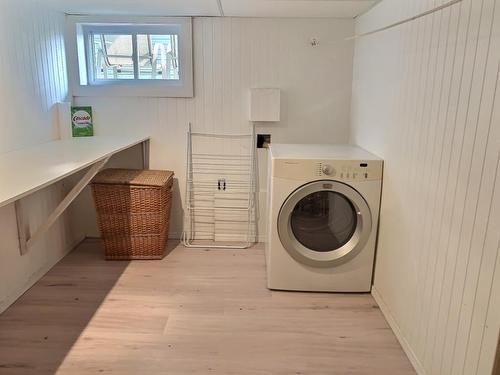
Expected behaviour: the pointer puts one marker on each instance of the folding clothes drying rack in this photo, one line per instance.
(220, 191)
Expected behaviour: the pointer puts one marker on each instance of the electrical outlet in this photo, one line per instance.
(263, 140)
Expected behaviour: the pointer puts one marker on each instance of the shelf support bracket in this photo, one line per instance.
(26, 241)
(21, 229)
(145, 154)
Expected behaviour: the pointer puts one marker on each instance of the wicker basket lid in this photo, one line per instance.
(134, 177)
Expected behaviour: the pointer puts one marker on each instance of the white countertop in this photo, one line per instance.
(27, 170)
(320, 152)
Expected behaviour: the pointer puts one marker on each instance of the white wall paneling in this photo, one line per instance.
(33, 73)
(425, 98)
(232, 55)
(33, 76)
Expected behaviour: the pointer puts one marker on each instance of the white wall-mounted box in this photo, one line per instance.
(265, 104)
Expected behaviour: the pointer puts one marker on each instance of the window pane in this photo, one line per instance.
(112, 56)
(158, 56)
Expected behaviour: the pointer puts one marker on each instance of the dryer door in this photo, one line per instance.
(324, 223)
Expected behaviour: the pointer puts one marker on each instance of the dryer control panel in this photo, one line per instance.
(340, 170)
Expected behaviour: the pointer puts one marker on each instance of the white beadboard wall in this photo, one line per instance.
(33, 73)
(33, 78)
(426, 99)
(232, 55)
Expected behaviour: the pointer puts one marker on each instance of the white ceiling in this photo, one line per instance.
(296, 8)
(239, 8)
(137, 7)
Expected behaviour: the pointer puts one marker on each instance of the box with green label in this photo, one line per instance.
(81, 122)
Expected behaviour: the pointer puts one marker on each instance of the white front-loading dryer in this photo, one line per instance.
(323, 203)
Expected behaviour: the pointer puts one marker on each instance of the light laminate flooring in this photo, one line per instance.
(194, 312)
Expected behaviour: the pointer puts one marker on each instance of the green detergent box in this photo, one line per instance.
(81, 122)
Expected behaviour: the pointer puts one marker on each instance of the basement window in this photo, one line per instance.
(132, 59)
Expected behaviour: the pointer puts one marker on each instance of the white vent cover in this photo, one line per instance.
(265, 104)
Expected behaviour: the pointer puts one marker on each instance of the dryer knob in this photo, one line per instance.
(328, 170)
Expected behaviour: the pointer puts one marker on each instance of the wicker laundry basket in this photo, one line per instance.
(133, 212)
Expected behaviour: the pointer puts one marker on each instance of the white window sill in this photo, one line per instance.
(126, 89)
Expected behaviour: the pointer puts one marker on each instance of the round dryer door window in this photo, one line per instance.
(324, 223)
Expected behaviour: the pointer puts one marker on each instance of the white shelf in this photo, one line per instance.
(27, 170)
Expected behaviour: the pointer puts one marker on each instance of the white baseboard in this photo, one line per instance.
(417, 365)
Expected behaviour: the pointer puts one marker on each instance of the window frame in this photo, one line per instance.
(80, 56)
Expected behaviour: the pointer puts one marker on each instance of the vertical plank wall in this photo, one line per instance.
(426, 99)
(32, 72)
(33, 78)
(231, 55)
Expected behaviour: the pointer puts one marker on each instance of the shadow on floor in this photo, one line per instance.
(41, 327)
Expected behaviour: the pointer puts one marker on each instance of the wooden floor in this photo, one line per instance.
(195, 312)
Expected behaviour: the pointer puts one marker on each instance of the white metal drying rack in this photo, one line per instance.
(224, 173)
